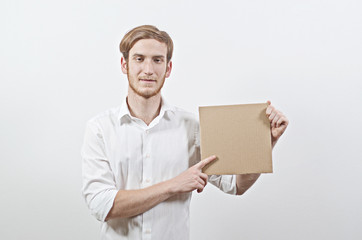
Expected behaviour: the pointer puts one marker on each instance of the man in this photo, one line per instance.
(141, 161)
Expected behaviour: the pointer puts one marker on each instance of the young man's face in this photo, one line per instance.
(147, 67)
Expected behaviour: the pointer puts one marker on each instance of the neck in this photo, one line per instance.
(145, 109)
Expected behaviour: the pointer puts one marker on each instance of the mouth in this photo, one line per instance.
(147, 80)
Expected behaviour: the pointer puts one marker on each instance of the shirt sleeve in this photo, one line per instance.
(226, 183)
(99, 188)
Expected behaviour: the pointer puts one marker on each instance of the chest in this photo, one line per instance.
(141, 157)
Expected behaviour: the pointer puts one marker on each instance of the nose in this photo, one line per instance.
(148, 68)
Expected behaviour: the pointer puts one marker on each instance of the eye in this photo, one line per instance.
(158, 60)
(139, 59)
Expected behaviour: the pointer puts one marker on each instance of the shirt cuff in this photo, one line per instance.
(102, 204)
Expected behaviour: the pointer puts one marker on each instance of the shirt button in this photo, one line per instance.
(148, 230)
(147, 131)
(147, 155)
(148, 180)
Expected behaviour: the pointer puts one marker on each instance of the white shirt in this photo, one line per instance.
(122, 152)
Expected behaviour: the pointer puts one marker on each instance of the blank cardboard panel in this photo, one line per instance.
(239, 135)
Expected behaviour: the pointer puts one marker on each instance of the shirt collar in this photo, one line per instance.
(124, 110)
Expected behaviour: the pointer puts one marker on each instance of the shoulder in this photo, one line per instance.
(185, 116)
(189, 121)
(106, 118)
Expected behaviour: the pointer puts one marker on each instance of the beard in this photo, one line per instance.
(145, 92)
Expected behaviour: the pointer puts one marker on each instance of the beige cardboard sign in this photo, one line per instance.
(239, 135)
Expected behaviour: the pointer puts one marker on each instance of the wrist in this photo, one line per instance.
(274, 141)
(170, 187)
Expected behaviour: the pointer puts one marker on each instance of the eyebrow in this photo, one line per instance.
(141, 55)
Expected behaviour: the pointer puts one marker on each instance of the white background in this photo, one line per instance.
(60, 66)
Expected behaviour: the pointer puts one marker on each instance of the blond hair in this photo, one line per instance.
(145, 32)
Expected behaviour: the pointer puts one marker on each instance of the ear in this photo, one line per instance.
(124, 65)
(168, 69)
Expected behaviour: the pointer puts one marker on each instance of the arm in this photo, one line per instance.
(245, 181)
(278, 124)
(130, 203)
(105, 201)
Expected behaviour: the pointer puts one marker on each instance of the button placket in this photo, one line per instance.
(147, 181)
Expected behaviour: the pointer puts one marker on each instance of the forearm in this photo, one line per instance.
(245, 181)
(129, 203)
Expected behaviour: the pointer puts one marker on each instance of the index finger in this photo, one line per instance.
(206, 161)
